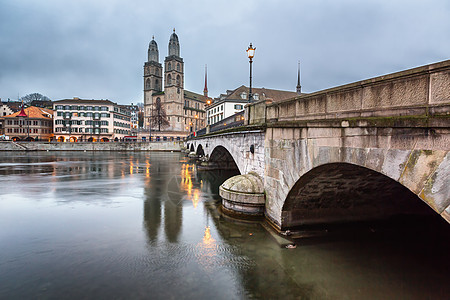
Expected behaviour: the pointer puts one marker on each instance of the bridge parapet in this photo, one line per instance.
(423, 91)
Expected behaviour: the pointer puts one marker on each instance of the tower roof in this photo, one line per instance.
(173, 37)
(153, 54)
(153, 43)
(174, 45)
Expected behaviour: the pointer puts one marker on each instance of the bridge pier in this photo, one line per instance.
(243, 195)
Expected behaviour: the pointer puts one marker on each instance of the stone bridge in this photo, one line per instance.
(362, 151)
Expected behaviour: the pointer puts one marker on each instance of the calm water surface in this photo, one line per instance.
(146, 226)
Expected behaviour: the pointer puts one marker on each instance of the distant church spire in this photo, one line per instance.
(299, 87)
(205, 90)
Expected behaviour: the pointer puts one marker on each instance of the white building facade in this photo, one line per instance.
(79, 120)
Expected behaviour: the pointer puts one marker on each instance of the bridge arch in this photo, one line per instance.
(200, 152)
(337, 192)
(223, 159)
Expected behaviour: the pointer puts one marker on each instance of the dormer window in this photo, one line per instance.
(244, 95)
(255, 96)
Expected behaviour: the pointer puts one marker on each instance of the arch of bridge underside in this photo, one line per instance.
(199, 151)
(343, 192)
(222, 159)
(244, 151)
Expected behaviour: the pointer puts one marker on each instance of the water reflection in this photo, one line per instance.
(147, 225)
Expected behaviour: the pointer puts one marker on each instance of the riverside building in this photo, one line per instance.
(29, 124)
(233, 101)
(80, 120)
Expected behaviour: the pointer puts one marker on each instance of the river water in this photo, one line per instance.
(111, 225)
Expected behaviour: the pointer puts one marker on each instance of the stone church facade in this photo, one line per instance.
(185, 110)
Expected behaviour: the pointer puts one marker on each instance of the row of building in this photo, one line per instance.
(185, 112)
(73, 120)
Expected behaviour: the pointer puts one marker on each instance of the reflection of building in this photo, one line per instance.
(185, 110)
(90, 120)
(31, 123)
(234, 101)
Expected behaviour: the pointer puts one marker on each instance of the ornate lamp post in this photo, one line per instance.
(250, 54)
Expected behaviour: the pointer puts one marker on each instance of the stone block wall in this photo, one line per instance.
(420, 91)
(420, 163)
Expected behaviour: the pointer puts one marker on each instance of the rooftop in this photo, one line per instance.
(84, 101)
(34, 112)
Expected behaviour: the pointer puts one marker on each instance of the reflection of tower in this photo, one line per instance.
(154, 192)
(158, 190)
(173, 208)
(152, 209)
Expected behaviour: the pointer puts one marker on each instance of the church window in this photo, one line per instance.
(178, 80)
(169, 67)
(147, 84)
(169, 79)
(178, 67)
(157, 84)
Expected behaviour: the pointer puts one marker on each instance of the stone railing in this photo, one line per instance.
(423, 91)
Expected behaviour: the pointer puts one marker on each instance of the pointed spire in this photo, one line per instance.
(22, 112)
(299, 87)
(205, 90)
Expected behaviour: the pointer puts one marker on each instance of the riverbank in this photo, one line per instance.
(87, 146)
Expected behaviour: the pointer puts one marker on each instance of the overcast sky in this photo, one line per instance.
(95, 49)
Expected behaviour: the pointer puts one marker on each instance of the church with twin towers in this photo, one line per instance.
(185, 110)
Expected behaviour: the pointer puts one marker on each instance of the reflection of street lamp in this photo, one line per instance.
(250, 54)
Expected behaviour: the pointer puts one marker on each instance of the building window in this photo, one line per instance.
(178, 67)
(169, 79)
(244, 95)
(169, 67)
(238, 106)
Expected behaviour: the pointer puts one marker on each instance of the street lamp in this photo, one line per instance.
(250, 54)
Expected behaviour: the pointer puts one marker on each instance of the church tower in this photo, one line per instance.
(299, 87)
(174, 84)
(152, 78)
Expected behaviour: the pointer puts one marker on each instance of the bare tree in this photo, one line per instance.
(159, 117)
(34, 97)
(141, 118)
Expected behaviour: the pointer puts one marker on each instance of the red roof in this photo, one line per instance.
(22, 113)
